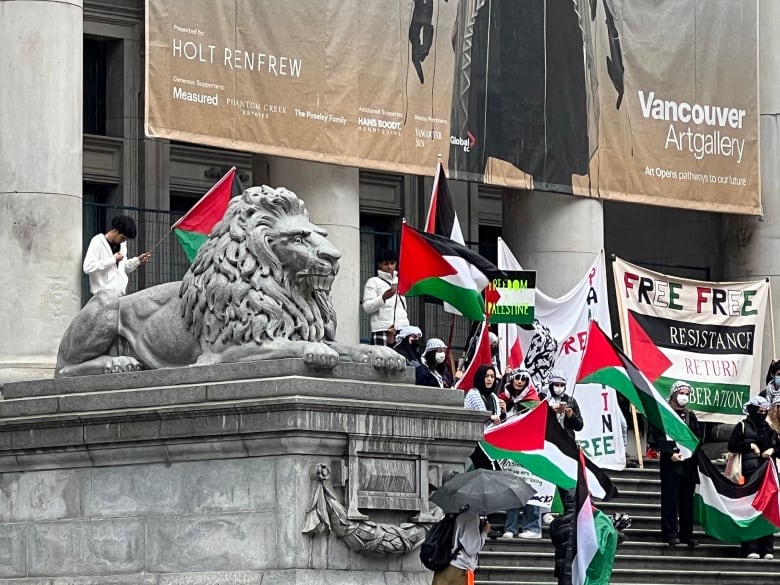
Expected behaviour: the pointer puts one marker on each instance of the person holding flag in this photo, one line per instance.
(385, 307)
(520, 396)
(678, 474)
(756, 441)
(106, 261)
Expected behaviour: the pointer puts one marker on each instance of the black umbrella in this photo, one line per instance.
(484, 491)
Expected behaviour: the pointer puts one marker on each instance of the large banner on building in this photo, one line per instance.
(710, 333)
(566, 320)
(619, 99)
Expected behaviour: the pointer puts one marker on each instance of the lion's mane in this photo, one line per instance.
(237, 291)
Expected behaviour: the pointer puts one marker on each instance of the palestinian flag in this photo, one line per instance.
(441, 268)
(556, 461)
(736, 513)
(524, 432)
(442, 218)
(603, 363)
(594, 536)
(443, 221)
(482, 356)
(527, 428)
(194, 228)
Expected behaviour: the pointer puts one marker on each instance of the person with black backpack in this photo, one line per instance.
(468, 538)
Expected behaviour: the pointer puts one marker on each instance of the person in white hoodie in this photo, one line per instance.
(106, 261)
(385, 307)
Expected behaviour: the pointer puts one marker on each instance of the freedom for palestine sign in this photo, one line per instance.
(512, 299)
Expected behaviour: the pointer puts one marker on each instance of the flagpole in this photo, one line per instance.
(627, 349)
(772, 320)
(160, 241)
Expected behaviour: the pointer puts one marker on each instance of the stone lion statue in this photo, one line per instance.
(259, 288)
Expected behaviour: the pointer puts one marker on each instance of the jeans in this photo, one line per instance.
(532, 520)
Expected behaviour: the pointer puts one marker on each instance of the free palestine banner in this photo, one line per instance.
(710, 332)
(615, 99)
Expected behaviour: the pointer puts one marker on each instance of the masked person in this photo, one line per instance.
(772, 389)
(565, 407)
(756, 441)
(678, 475)
(432, 370)
(519, 395)
(386, 309)
(408, 345)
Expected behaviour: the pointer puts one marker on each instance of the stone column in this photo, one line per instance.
(41, 169)
(556, 235)
(751, 244)
(332, 197)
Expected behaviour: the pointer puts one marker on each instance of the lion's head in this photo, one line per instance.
(265, 272)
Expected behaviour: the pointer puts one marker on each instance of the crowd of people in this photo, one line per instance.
(504, 393)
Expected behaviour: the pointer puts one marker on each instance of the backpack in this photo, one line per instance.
(436, 550)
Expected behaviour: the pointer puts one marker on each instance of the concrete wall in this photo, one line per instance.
(204, 474)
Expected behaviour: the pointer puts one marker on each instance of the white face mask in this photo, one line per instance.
(440, 357)
(558, 390)
(682, 399)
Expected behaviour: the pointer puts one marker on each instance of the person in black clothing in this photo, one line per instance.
(433, 369)
(408, 345)
(757, 442)
(678, 475)
(565, 407)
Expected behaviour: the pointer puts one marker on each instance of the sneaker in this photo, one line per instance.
(528, 535)
(508, 534)
(769, 556)
(674, 541)
(754, 556)
(548, 518)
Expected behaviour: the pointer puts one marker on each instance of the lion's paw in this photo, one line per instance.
(122, 363)
(319, 355)
(382, 358)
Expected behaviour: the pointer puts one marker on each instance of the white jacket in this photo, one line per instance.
(103, 271)
(381, 311)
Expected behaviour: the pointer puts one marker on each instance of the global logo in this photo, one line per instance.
(466, 143)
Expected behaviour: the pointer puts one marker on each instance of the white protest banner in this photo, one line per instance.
(566, 320)
(710, 332)
(545, 491)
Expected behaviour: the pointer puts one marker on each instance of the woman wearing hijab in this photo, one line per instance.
(408, 345)
(482, 397)
(432, 370)
(756, 441)
(565, 407)
(519, 395)
(678, 475)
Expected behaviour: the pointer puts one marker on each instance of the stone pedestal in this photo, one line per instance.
(332, 196)
(40, 193)
(206, 474)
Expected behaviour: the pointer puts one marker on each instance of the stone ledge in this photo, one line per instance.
(201, 375)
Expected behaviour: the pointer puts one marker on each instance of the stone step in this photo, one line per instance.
(697, 562)
(711, 549)
(758, 572)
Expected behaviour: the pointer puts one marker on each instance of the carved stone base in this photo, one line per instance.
(209, 479)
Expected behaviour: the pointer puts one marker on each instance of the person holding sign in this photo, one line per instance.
(519, 395)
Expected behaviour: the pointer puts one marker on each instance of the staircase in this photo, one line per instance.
(641, 559)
